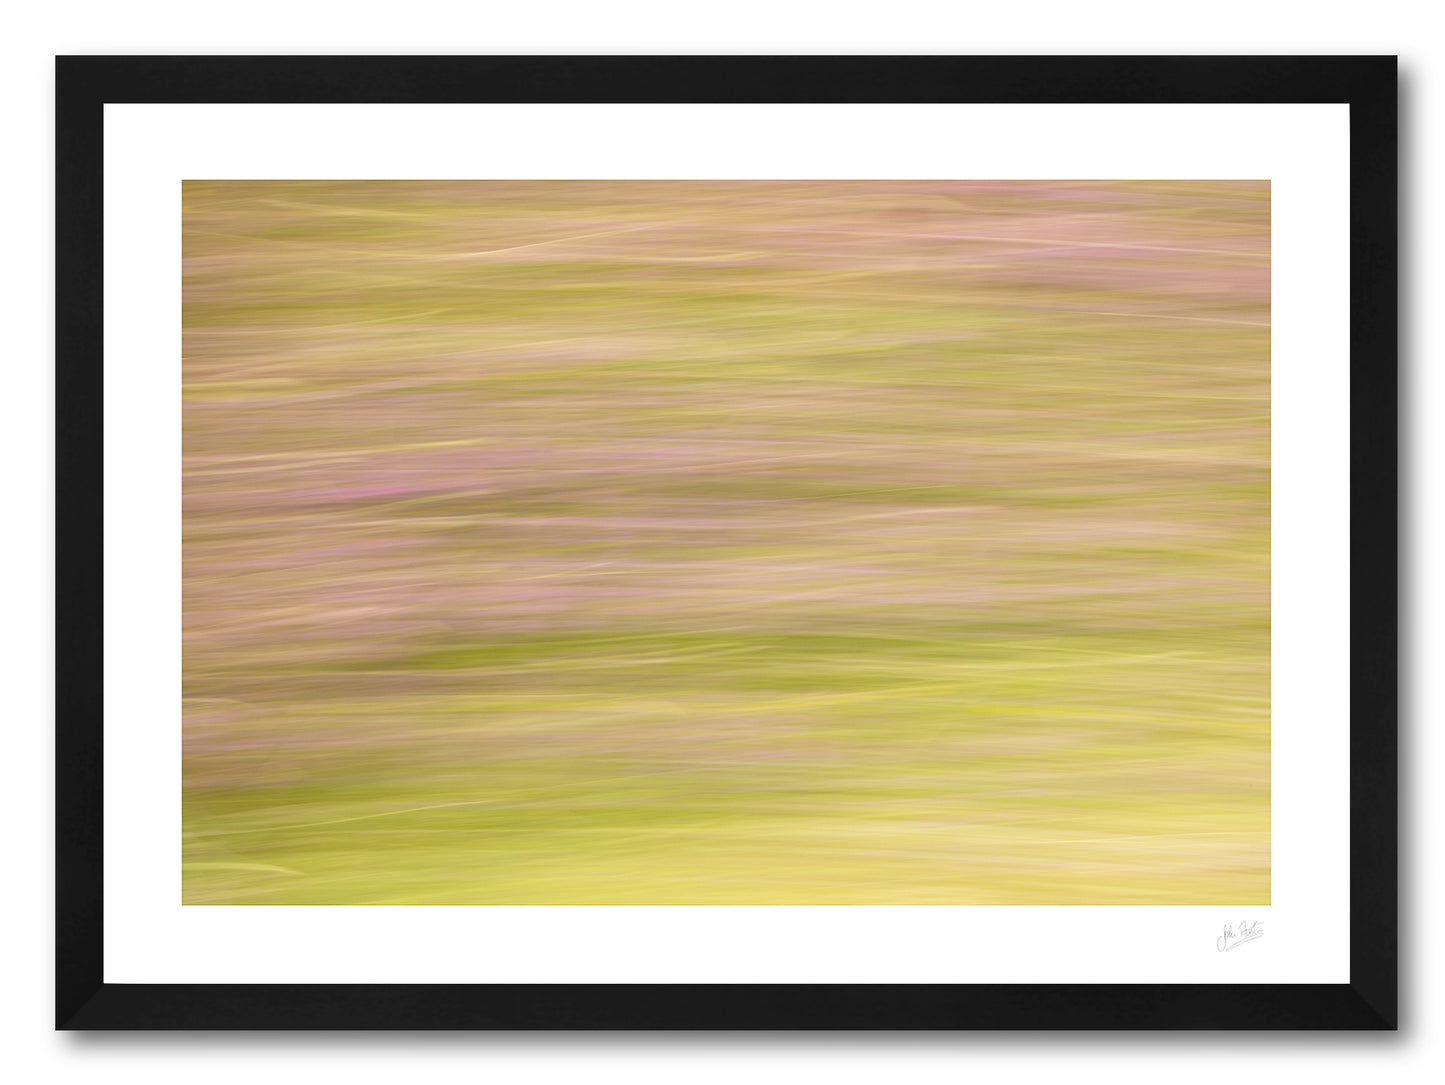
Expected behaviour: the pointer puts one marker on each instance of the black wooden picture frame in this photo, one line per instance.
(86, 83)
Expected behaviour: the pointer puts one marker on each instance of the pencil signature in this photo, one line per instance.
(1246, 932)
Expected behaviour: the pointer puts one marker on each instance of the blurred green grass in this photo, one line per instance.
(726, 543)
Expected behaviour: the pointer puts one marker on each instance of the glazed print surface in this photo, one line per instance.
(777, 542)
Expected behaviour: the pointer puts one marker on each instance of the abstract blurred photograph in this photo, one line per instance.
(778, 542)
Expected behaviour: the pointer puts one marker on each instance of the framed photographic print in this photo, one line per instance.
(726, 543)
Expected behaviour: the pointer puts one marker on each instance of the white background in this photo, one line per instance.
(749, 26)
(152, 938)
